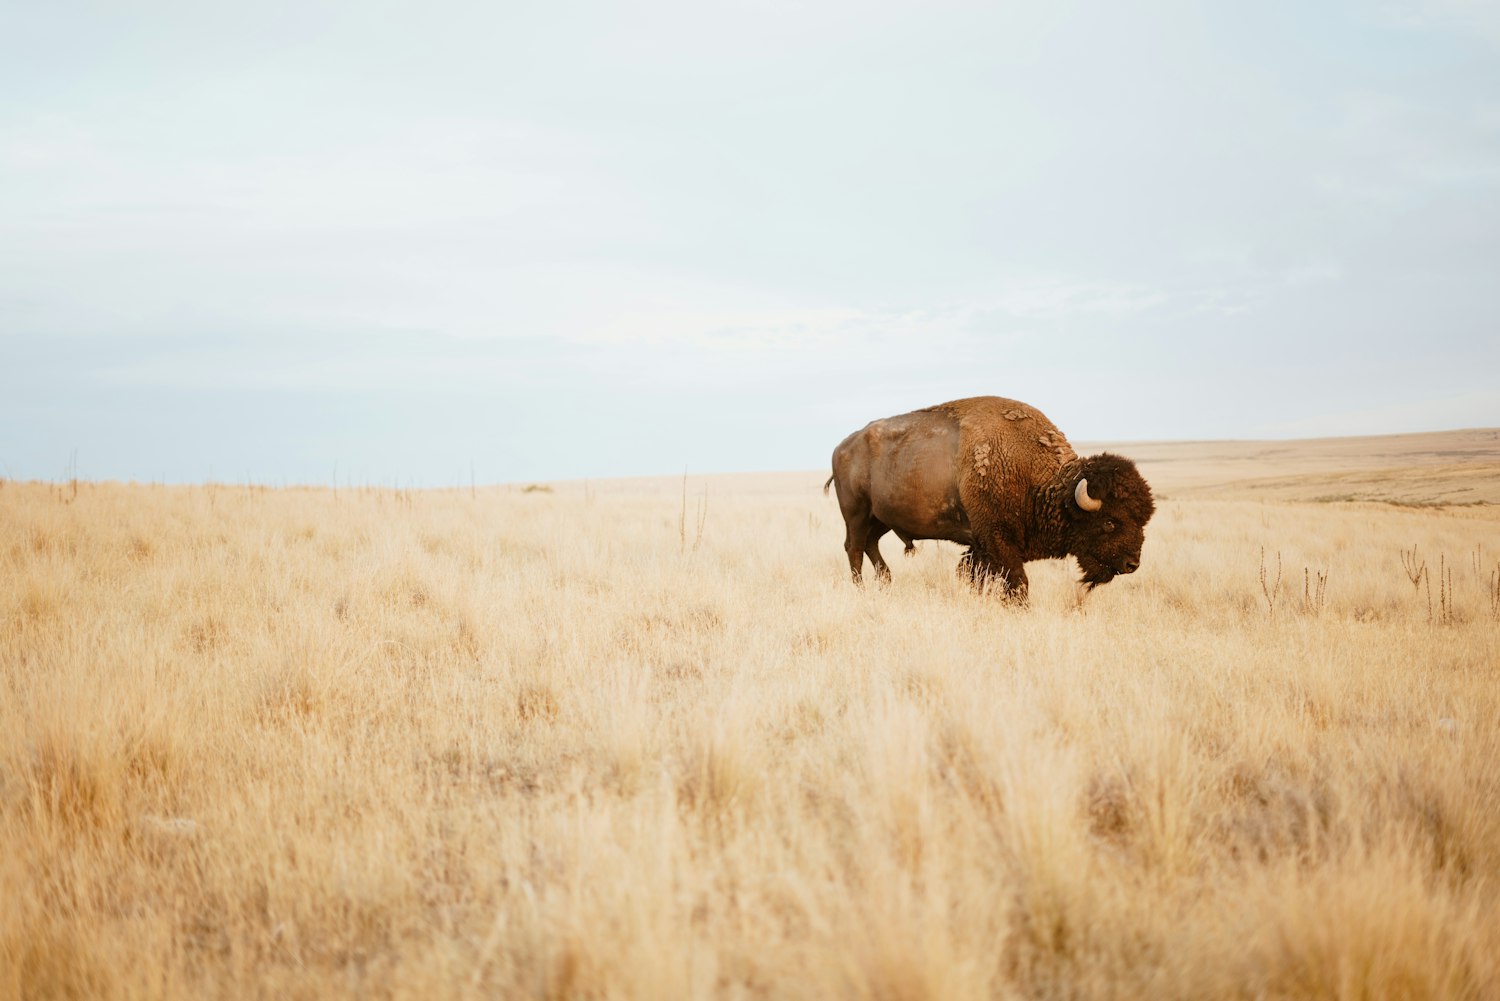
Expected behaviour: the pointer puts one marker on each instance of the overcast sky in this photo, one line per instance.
(396, 242)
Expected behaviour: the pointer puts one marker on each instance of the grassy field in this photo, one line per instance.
(611, 741)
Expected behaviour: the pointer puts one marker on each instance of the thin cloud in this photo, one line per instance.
(689, 223)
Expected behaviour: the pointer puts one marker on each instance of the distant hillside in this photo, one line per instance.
(1428, 469)
(1439, 467)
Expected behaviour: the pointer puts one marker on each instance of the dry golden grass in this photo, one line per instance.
(293, 743)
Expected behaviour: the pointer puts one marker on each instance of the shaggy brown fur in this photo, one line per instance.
(992, 474)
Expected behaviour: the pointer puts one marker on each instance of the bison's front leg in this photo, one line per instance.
(998, 565)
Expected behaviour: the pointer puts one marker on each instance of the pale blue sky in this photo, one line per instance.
(400, 241)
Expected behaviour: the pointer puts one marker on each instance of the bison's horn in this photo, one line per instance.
(1081, 495)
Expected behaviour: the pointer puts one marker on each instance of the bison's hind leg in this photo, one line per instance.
(855, 508)
(862, 532)
(872, 549)
(855, 549)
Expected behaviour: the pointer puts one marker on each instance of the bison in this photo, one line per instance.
(994, 475)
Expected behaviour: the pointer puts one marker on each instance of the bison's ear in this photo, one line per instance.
(1082, 498)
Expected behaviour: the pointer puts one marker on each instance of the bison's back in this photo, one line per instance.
(1005, 444)
(946, 471)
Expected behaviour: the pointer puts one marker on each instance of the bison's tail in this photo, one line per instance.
(826, 485)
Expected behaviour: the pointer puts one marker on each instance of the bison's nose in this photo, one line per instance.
(1131, 565)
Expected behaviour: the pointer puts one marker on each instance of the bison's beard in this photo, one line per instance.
(1094, 573)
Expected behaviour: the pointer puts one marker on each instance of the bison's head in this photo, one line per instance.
(1107, 508)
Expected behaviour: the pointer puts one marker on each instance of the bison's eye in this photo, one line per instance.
(1109, 524)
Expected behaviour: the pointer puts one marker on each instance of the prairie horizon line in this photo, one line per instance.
(1089, 446)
